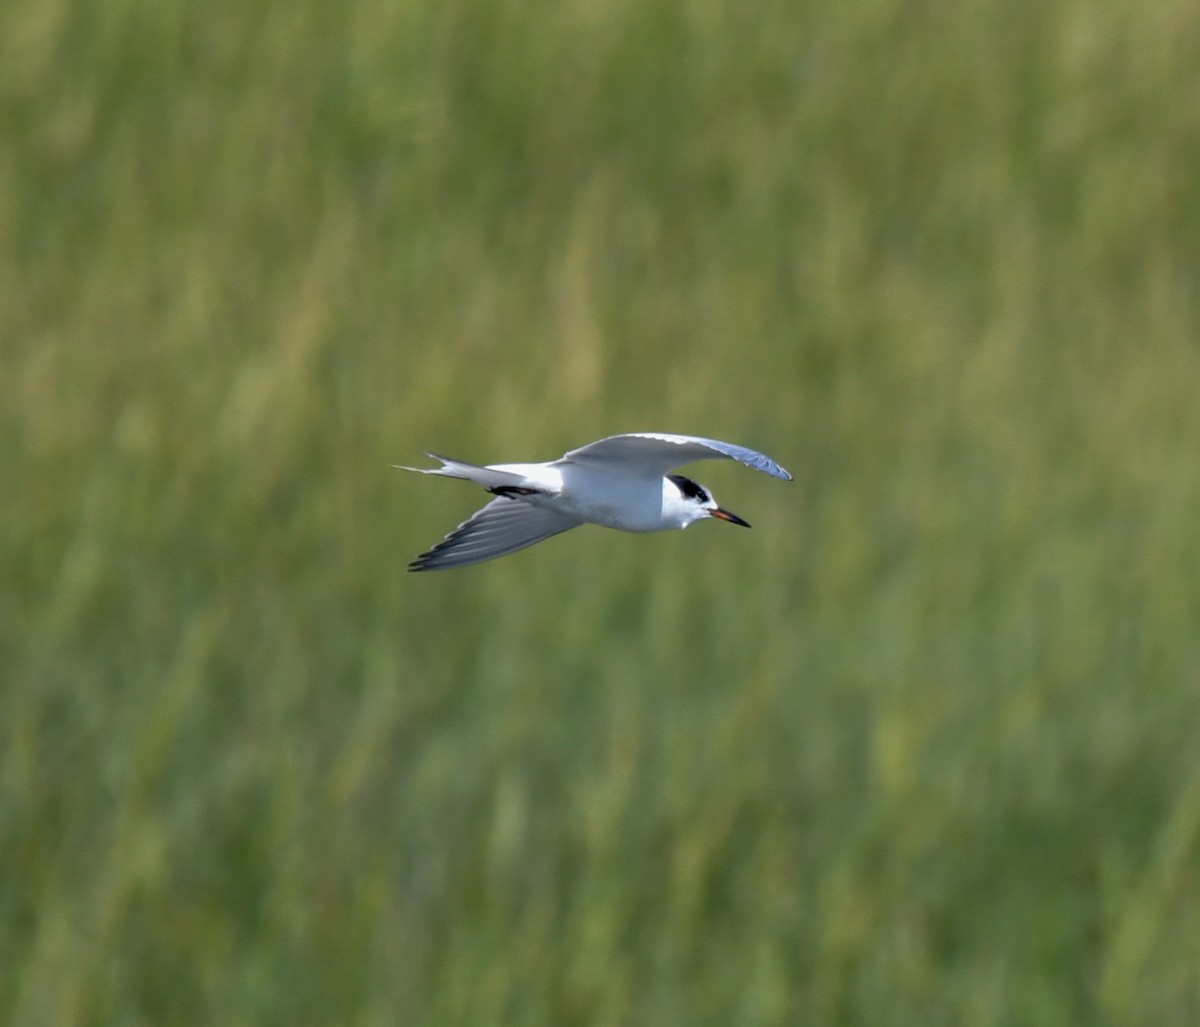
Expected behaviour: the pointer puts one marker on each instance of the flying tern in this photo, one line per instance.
(619, 482)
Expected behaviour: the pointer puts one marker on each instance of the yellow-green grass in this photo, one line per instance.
(922, 748)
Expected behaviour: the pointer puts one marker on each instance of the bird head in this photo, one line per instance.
(689, 501)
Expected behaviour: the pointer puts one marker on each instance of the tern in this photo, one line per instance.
(620, 482)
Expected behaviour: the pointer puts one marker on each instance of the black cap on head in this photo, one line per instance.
(689, 488)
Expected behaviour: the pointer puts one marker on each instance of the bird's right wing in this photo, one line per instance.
(502, 527)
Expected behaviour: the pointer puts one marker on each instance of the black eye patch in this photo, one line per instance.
(689, 488)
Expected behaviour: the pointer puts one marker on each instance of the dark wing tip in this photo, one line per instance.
(421, 564)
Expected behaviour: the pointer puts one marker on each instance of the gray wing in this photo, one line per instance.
(655, 453)
(502, 527)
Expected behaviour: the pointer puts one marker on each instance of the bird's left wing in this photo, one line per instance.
(653, 454)
(502, 527)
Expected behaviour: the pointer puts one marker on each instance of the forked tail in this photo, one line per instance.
(486, 476)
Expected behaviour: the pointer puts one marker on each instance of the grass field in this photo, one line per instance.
(923, 748)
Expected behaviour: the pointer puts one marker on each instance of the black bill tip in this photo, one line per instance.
(725, 515)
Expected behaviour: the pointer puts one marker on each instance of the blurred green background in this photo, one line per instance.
(922, 748)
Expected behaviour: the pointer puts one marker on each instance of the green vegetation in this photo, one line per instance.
(922, 748)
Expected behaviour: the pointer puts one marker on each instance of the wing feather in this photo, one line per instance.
(656, 453)
(502, 527)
